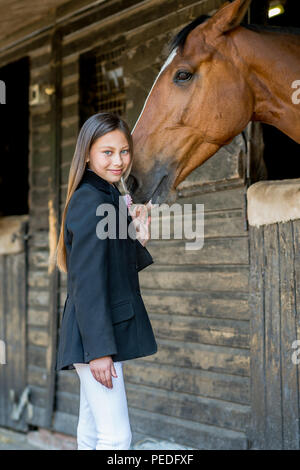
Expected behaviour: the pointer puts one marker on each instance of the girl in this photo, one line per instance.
(104, 319)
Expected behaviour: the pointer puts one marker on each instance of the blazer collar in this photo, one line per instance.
(101, 184)
(95, 180)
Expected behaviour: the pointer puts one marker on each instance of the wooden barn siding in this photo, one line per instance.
(198, 381)
(39, 340)
(274, 307)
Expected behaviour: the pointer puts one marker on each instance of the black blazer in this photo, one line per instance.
(104, 313)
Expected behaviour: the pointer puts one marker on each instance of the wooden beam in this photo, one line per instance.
(54, 218)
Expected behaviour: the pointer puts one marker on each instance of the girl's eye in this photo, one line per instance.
(111, 152)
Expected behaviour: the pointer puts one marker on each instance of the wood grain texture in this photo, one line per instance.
(13, 295)
(274, 323)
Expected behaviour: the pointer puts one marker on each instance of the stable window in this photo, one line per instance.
(101, 83)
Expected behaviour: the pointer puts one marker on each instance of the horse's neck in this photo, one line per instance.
(273, 66)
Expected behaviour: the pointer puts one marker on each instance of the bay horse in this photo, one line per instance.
(219, 76)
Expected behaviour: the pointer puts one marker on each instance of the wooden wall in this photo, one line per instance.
(198, 305)
(195, 390)
(274, 307)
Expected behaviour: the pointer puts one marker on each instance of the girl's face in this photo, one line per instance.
(109, 156)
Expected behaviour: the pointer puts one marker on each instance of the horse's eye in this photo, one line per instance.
(182, 76)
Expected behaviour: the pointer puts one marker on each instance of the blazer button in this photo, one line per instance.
(87, 354)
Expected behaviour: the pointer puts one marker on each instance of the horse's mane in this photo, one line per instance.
(180, 38)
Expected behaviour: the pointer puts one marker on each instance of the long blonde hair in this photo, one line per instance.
(93, 128)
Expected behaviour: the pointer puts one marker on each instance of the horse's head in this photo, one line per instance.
(199, 102)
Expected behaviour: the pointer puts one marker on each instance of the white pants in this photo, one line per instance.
(103, 414)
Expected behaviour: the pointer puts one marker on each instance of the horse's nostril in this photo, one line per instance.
(132, 183)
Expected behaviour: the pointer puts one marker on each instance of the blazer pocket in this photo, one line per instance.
(122, 311)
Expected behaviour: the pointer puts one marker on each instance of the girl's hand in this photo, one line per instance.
(141, 220)
(102, 369)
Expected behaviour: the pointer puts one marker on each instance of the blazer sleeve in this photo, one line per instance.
(88, 271)
(143, 257)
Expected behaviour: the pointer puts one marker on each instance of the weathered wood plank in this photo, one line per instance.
(202, 330)
(40, 137)
(189, 407)
(205, 304)
(272, 337)
(68, 402)
(226, 387)
(40, 177)
(36, 356)
(257, 432)
(70, 90)
(41, 60)
(70, 67)
(67, 153)
(290, 393)
(23, 49)
(38, 336)
(224, 224)
(211, 358)
(39, 297)
(54, 217)
(296, 237)
(274, 377)
(36, 375)
(37, 396)
(67, 380)
(41, 155)
(217, 200)
(189, 433)
(214, 251)
(181, 405)
(197, 278)
(65, 423)
(15, 334)
(178, 220)
(38, 197)
(38, 240)
(69, 110)
(38, 416)
(38, 279)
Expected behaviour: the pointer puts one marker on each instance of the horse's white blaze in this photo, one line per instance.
(168, 61)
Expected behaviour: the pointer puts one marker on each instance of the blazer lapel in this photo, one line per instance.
(119, 202)
(101, 184)
(144, 258)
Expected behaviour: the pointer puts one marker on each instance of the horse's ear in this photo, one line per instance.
(230, 15)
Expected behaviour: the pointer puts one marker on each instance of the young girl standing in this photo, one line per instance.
(104, 321)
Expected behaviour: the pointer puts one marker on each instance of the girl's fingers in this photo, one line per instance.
(108, 379)
(141, 221)
(97, 376)
(113, 370)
